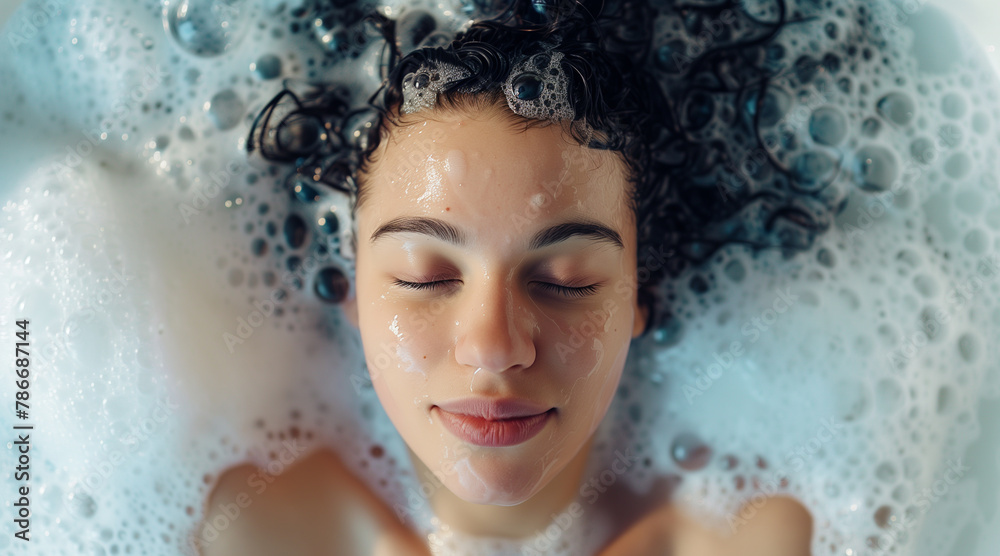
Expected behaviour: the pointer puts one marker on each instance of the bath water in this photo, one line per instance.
(182, 297)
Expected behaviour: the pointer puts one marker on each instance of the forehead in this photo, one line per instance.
(489, 176)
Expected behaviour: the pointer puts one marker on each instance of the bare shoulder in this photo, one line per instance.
(778, 526)
(314, 506)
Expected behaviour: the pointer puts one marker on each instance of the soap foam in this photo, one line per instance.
(178, 325)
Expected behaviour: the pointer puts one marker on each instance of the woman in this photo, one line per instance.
(500, 206)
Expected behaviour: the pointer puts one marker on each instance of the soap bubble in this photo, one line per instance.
(226, 109)
(206, 27)
(876, 168)
(690, 452)
(828, 125)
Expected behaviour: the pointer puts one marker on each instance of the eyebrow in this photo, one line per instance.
(446, 232)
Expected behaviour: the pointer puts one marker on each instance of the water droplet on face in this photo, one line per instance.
(225, 109)
(473, 381)
(690, 452)
(206, 27)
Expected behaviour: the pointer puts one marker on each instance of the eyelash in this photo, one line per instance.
(566, 291)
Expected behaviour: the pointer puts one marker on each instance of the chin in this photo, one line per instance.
(486, 482)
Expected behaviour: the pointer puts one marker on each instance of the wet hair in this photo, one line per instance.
(648, 114)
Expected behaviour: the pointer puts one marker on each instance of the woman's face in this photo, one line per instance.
(495, 263)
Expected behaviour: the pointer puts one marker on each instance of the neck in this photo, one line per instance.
(522, 520)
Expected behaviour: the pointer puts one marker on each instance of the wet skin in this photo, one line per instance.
(492, 261)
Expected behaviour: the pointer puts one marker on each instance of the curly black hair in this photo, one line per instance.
(644, 103)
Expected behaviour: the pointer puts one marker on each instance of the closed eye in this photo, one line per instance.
(564, 291)
(424, 286)
(567, 291)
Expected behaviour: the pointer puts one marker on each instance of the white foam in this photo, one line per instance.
(866, 367)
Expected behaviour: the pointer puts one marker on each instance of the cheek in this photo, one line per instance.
(400, 349)
(586, 349)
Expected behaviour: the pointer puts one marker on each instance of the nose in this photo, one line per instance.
(496, 333)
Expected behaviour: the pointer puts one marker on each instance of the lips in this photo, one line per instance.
(494, 423)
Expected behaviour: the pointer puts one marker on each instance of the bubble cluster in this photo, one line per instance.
(538, 88)
(421, 88)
